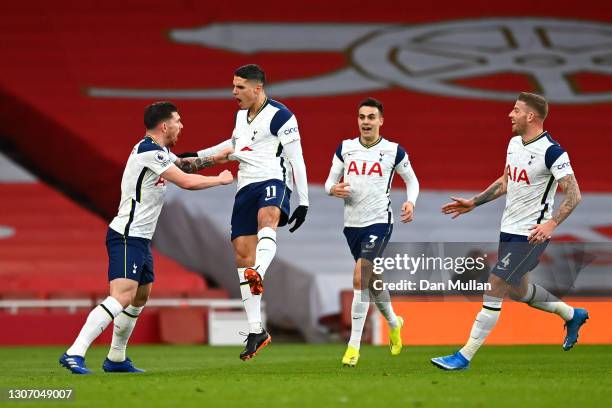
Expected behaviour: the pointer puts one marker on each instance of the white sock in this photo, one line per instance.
(252, 304)
(98, 319)
(359, 313)
(266, 249)
(383, 303)
(124, 325)
(485, 321)
(540, 298)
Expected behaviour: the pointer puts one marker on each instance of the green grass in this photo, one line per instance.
(311, 376)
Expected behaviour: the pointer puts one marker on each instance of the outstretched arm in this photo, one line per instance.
(497, 189)
(196, 181)
(462, 205)
(195, 164)
(213, 151)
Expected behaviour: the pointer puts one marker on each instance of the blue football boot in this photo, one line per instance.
(452, 362)
(573, 327)
(124, 366)
(76, 364)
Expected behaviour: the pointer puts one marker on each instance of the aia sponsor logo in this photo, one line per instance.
(517, 175)
(363, 169)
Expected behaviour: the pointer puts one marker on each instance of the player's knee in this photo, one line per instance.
(499, 287)
(517, 294)
(124, 298)
(123, 295)
(268, 221)
(243, 261)
(268, 217)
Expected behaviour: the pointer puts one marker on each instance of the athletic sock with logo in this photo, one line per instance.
(359, 313)
(97, 320)
(485, 321)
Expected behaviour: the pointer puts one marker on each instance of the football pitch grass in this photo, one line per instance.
(312, 376)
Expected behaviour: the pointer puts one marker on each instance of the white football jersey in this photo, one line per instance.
(142, 189)
(532, 171)
(369, 171)
(258, 144)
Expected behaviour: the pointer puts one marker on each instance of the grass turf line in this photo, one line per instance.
(312, 375)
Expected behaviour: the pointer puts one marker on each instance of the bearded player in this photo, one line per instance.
(535, 166)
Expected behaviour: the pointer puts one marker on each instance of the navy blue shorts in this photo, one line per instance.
(516, 256)
(368, 242)
(251, 198)
(129, 258)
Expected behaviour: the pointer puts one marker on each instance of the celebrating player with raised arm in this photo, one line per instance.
(128, 241)
(367, 164)
(535, 165)
(266, 142)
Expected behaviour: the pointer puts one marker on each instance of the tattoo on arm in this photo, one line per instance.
(569, 185)
(495, 190)
(193, 165)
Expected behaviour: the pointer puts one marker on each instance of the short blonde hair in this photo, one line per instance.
(536, 102)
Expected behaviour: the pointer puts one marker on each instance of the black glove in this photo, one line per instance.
(299, 215)
(186, 154)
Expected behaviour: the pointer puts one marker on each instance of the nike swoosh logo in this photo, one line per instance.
(269, 198)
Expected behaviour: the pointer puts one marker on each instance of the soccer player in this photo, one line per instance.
(128, 240)
(535, 165)
(367, 165)
(266, 142)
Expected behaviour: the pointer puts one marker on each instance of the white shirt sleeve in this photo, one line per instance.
(211, 151)
(289, 131)
(561, 167)
(293, 151)
(335, 173)
(404, 169)
(173, 157)
(157, 161)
